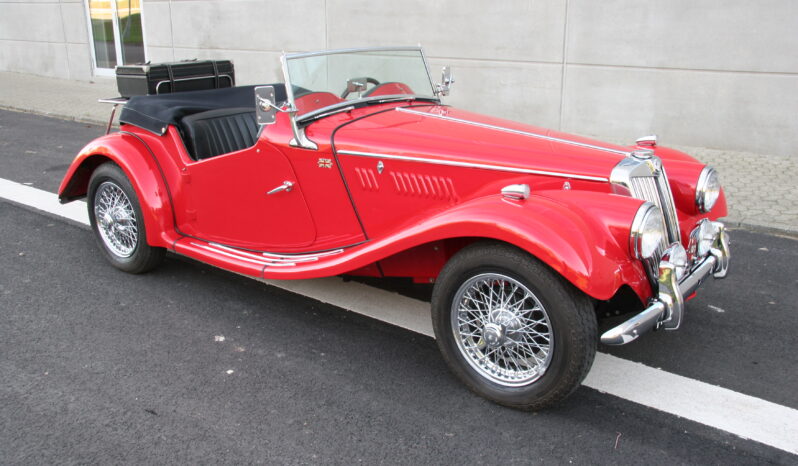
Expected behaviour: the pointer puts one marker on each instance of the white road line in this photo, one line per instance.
(714, 406)
(43, 200)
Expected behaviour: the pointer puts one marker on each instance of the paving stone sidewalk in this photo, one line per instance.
(762, 190)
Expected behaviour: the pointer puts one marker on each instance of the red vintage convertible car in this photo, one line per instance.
(355, 166)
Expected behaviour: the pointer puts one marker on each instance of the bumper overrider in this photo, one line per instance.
(667, 308)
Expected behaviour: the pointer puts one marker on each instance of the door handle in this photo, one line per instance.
(286, 186)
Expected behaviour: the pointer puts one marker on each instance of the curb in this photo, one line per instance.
(766, 229)
(54, 115)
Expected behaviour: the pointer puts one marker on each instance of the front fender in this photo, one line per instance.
(582, 235)
(140, 167)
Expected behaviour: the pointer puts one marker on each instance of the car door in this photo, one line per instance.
(228, 201)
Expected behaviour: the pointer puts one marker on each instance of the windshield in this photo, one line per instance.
(324, 81)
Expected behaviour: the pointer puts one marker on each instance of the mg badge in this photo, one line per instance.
(325, 163)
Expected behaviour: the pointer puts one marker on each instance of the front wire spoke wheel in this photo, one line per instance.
(502, 329)
(116, 219)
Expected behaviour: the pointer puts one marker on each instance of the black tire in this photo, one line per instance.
(569, 313)
(120, 233)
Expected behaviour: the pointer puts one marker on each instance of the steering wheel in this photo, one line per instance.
(351, 85)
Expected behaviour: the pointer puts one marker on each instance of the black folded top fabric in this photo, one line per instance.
(156, 112)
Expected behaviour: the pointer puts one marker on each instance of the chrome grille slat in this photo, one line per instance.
(645, 187)
(670, 212)
(642, 176)
(655, 189)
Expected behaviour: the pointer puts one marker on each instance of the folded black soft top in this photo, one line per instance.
(156, 112)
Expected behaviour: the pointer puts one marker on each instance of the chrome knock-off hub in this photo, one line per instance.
(493, 334)
(501, 323)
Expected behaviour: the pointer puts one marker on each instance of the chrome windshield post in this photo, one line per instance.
(299, 139)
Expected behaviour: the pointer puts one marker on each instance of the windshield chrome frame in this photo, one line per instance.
(341, 105)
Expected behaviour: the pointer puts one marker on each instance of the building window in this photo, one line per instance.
(117, 35)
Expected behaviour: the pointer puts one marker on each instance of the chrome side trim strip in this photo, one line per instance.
(234, 256)
(266, 258)
(302, 257)
(451, 163)
(514, 131)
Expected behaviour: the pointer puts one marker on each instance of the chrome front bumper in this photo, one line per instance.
(667, 309)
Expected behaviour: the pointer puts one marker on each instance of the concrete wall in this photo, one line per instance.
(709, 73)
(48, 38)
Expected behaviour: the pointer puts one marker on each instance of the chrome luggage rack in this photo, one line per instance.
(116, 101)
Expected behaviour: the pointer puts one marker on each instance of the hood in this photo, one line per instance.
(455, 136)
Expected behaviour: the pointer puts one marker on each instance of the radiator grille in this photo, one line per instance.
(656, 190)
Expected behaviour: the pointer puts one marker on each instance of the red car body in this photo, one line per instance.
(406, 221)
(401, 185)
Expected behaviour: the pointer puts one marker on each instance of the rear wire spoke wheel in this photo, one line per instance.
(115, 215)
(510, 328)
(116, 219)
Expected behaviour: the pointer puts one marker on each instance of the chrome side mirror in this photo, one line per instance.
(447, 79)
(355, 85)
(265, 107)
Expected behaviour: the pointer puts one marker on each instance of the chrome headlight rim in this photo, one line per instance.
(705, 198)
(642, 244)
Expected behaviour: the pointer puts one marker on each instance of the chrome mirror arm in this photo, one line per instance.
(266, 105)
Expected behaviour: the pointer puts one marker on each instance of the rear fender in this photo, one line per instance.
(141, 168)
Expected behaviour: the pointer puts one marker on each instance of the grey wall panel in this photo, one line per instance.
(742, 111)
(699, 72)
(74, 21)
(157, 22)
(160, 54)
(42, 58)
(249, 25)
(38, 22)
(526, 92)
(79, 62)
(508, 30)
(738, 35)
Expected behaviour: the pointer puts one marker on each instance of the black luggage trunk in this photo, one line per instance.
(165, 78)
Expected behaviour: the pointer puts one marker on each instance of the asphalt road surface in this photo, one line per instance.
(192, 364)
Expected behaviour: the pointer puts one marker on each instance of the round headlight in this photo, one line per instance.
(678, 257)
(647, 231)
(706, 235)
(708, 189)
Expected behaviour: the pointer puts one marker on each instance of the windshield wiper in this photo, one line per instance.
(309, 118)
(398, 98)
